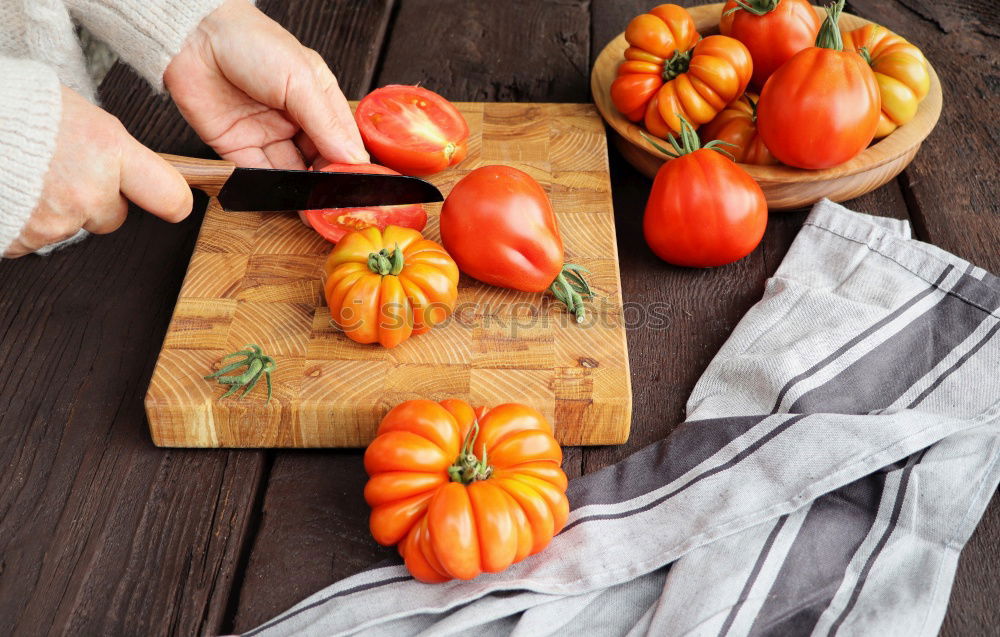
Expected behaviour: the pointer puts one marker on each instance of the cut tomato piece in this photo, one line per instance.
(412, 130)
(334, 223)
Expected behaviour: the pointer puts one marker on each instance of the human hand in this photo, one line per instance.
(258, 97)
(96, 167)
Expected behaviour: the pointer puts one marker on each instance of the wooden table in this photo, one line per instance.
(103, 533)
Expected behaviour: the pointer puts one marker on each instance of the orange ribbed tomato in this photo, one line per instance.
(700, 84)
(821, 108)
(772, 30)
(737, 125)
(901, 71)
(655, 37)
(383, 285)
(464, 491)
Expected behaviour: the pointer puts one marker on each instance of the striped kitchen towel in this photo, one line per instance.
(839, 451)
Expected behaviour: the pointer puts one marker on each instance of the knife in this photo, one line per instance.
(263, 189)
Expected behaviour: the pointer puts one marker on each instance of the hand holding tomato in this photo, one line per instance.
(383, 286)
(412, 130)
(822, 107)
(500, 228)
(704, 210)
(464, 491)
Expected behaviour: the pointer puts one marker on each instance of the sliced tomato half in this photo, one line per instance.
(412, 130)
(334, 223)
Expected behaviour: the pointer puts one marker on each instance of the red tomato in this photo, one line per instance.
(334, 223)
(412, 130)
(704, 210)
(498, 225)
(773, 31)
(822, 107)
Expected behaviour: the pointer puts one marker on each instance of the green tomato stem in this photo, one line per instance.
(384, 262)
(756, 7)
(829, 36)
(468, 468)
(571, 288)
(257, 364)
(677, 64)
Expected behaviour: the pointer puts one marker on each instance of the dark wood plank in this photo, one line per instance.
(511, 51)
(314, 527)
(100, 532)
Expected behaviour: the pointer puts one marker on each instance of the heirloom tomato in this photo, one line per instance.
(412, 130)
(383, 285)
(704, 210)
(334, 223)
(499, 226)
(772, 30)
(901, 71)
(654, 38)
(464, 491)
(822, 107)
(737, 125)
(699, 84)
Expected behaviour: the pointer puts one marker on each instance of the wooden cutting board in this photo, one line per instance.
(254, 278)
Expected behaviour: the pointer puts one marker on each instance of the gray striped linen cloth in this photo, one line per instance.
(839, 451)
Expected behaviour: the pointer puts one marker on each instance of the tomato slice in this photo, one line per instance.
(412, 130)
(334, 223)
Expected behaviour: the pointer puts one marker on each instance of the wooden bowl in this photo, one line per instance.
(785, 187)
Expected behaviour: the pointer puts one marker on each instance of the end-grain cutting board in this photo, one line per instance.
(254, 278)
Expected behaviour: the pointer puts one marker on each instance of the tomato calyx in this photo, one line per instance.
(689, 141)
(468, 468)
(677, 64)
(384, 262)
(756, 7)
(571, 288)
(829, 36)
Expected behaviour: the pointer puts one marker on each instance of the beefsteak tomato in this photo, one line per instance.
(383, 286)
(654, 38)
(704, 210)
(463, 491)
(772, 30)
(499, 226)
(822, 107)
(699, 84)
(334, 223)
(412, 130)
(901, 71)
(737, 125)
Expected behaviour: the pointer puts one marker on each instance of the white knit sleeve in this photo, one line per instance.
(146, 34)
(30, 107)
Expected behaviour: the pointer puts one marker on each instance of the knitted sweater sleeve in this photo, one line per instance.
(30, 107)
(146, 34)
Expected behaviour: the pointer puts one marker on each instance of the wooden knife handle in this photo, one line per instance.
(204, 174)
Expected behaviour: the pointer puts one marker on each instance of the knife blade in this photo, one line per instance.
(267, 189)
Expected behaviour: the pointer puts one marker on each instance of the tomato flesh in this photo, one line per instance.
(412, 130)
(334, 223)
